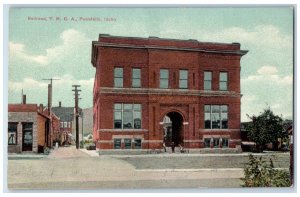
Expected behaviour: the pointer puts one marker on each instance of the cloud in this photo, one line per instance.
(18, 49)
(73, 42)
(267, 70)
(267, 87)
(37, 90)
(27, 83)
(68, 80)
(261, 35)
(268, 74)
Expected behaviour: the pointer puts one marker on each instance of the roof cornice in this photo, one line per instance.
(155, 47)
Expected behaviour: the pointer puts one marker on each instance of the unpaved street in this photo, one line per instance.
(68, 168)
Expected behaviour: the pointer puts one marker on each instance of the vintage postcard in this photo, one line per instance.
(150, 97)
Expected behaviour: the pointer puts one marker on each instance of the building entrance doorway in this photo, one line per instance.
(173, 129)
(27, 137)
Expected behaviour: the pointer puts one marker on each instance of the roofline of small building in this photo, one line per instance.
(45, 116)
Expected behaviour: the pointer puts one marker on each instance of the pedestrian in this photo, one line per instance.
(164, 145)
(181, 148)
(173, 147)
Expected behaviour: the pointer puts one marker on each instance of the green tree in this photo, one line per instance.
(265, 128)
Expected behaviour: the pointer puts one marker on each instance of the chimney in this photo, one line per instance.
(24, 99)
(41, 108)
(59, 104)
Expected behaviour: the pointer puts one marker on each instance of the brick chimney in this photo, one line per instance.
(24, 99)
(41, 108)
(59, 104)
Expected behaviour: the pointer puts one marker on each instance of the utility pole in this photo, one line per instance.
(49, 109)
(76, 90)
(81, 124)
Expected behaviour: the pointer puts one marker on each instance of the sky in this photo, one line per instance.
(60, 47)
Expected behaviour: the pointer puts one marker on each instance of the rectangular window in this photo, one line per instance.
(127, 143)
(65, 124)
(224, 116)
(62, 124)
(136, 77)
(127, 116)
(216, 116)
(12, 133)
(207, 80)
(183, 79)
(224, 142)
(117, 143)
(69, 124)
(223, 81)
(137, 143)
(164, 78)
(207, 118)
(118, 77)
(216, 143)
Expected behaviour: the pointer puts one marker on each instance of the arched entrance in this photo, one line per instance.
(173, 128)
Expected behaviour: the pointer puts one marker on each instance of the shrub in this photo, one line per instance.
(258, 173)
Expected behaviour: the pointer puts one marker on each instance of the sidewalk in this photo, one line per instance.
(25, 156)
(91, 153)
(67, 152)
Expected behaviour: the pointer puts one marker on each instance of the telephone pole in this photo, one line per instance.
(50, 94)
(48, 138)
(76, 90)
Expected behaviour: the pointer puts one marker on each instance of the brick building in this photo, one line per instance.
(148, 91)
(28, 128)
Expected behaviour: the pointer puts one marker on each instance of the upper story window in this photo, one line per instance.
(127, 116)
(12, 133)
(223, 81)
(207, 80)
(164, 78)
(65, 124)
(136, 77)
(183, 79)
(61, 124)
(216, 116)
(118, 77)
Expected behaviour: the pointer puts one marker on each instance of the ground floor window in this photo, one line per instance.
(137, 143)
(12, 133)
(117, 143)
(207, 143)
(225, 143)
(216, 142)
(127, 143)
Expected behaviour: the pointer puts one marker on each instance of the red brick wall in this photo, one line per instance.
(157, 103)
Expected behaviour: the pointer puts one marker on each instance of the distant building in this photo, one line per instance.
(56, 128)
(66, 116)
(140, 81)
(28, 128)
